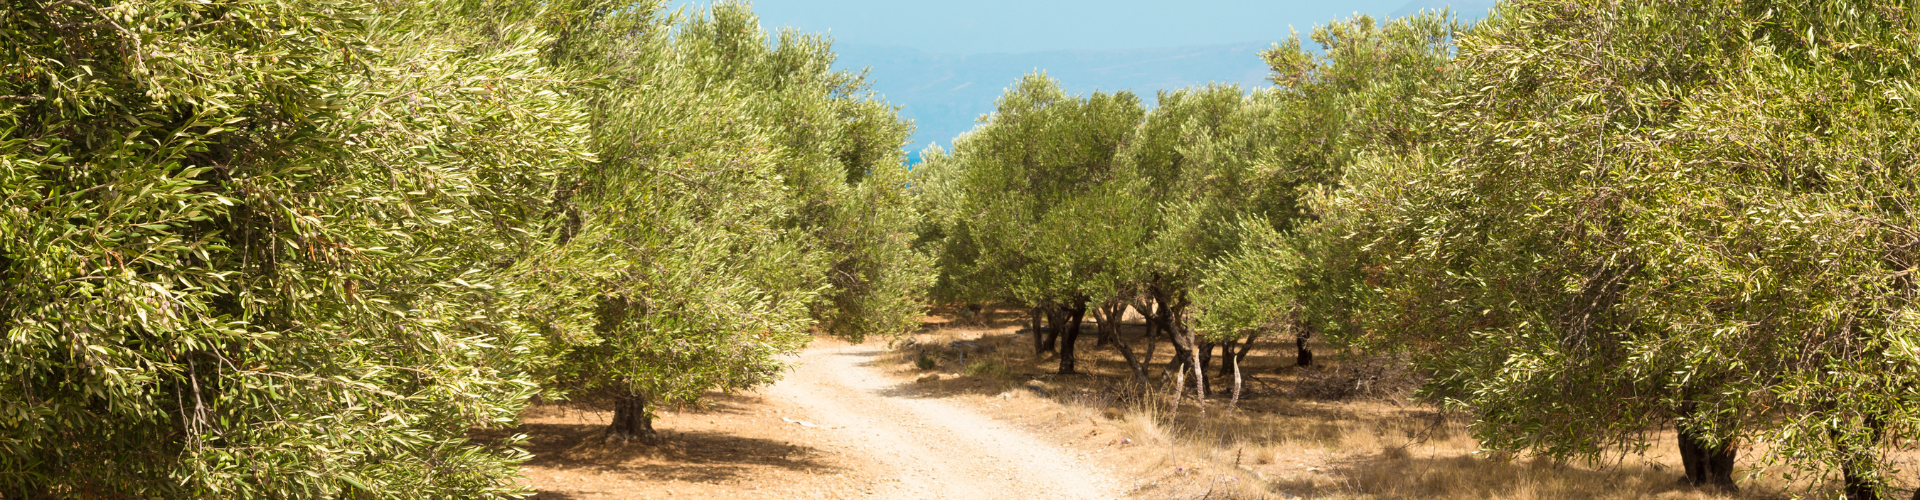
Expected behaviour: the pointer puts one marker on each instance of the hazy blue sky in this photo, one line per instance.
(987, 26)
(944, 63)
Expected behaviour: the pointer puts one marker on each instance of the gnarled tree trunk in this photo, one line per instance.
(1153, 329)
(1707, 465)
(1302, 332)
(1182, 356)
(1246, 347)
(1109, 317)
(1154, 325)
(631, 420)
(1860, 472)
(1056, 323)
(1304, 354)
(1072, 335)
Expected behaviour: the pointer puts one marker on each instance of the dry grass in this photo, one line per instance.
(1281, 442)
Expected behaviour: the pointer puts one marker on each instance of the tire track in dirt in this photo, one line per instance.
(934, 448)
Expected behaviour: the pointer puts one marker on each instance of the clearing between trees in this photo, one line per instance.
(864, 421)
(836, 427)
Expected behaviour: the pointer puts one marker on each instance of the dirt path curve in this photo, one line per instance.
(937, 449)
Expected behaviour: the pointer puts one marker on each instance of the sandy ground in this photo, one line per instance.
(855, 422)
(837, 426)
(934, 448)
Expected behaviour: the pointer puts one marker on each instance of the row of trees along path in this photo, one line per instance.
(301, 248)
(1579, 221)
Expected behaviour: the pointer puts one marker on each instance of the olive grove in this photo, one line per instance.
(1636, 214)
(1579, 221)
(305, 248)
(301, 249)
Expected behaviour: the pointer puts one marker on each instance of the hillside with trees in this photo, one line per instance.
(322, 249)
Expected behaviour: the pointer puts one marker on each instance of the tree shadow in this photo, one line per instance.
(1269, 372)
(602, 402)
(689, 456)
(1467, 476)
(571, 435)
(1011, 363)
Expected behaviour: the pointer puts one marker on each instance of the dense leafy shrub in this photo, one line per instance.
(743, 194)
(255, 249)
(1637, 213)
(301, 249)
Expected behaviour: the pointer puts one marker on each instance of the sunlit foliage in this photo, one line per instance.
(744, 194)
(270, 250)
(1643, 213)
(255, 249)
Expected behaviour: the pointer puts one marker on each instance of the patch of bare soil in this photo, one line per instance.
(738, 447)
(1341, 429)
(967, 410)
(834, 427)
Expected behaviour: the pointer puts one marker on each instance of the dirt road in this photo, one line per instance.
(931, 448)
(835, 427)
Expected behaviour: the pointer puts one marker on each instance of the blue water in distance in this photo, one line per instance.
(945, 63)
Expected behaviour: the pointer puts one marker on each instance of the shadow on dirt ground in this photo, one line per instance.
(714, 449)
(688, 456)
(1344, 427)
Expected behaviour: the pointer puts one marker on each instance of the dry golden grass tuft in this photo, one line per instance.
(1277, 444)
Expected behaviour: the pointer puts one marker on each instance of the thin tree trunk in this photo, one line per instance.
(1184, 343)
(631, 420)
(1180, 354)
(1235, 361)
(1246, 347)
(1204, 382)
(1199, 372)
(1034, 329)
(1153, 331)
(1179, 386)
(1139, 370)
(1186, 359)
(1152, 337)
(1056, 322)
(1099, 327)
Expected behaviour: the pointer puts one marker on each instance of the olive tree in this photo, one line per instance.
(257, 249)
(1363, 93)
(1643, 213)
(744, 194)
(1021, 194)
(1195, 154)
